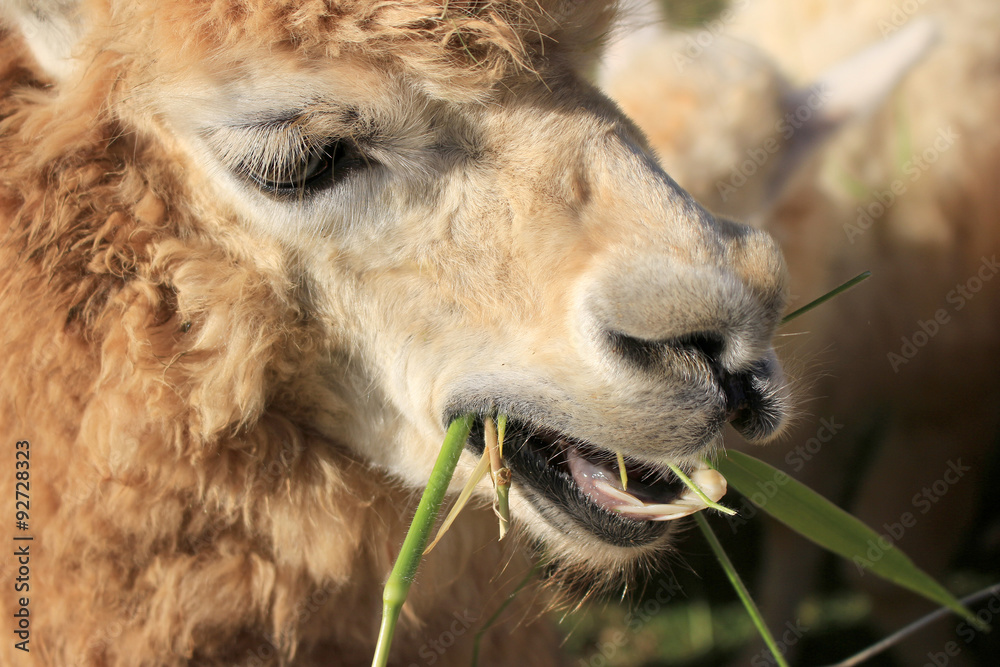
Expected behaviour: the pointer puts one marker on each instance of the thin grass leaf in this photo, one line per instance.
(398, 584)
(501, 431)
(621, 471)
(697, 490)
(741, 590)
(817, 519)
(826, 297)
(463, 498)
(478, 638)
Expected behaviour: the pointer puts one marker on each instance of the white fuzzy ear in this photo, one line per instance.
(851, 89)
(858, 85)
(51, 28)
(640, 23)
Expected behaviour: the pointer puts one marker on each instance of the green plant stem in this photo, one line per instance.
(741, 590)
(403, 572)
(477, 640)
(898, 636)
(826, 297)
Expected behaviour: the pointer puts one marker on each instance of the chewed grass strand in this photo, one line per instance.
(698, 492)
(503, 500)
(492, 443)
(621, 471)
(463, 498)
(500, 473)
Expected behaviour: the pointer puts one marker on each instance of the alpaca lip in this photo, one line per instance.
(565, 477)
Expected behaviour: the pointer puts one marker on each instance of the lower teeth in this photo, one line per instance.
(708, 480)
(618, 493)
(601, 486)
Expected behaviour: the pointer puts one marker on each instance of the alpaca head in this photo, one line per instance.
(726, 120)
(469, 224)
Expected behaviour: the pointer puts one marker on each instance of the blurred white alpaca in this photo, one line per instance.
(905, 187)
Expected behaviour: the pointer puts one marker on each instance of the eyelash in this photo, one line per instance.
(313, 170)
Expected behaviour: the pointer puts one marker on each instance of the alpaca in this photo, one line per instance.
(888, 172)
(257, 255)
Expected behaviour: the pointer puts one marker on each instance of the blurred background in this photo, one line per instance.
(864, 136)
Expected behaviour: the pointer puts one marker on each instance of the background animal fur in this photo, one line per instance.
(255, 255)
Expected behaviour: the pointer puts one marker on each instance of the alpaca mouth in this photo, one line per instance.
(575, 485)
(565, 477)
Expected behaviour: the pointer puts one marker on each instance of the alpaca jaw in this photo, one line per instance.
(570, 481)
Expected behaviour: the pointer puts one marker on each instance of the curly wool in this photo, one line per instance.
(176, 495)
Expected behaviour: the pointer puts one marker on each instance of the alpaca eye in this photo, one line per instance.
(309, 171)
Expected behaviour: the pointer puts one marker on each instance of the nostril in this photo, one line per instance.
(709, 345)
(646, 354)
(650, 354)
(754, 405)
(737, 399)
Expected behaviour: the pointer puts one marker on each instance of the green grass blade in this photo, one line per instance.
(398, 584)
(741, 590)
(817, 519)
(826, 297)
(478, 638)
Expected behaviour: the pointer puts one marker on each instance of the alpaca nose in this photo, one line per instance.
(649, 308)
